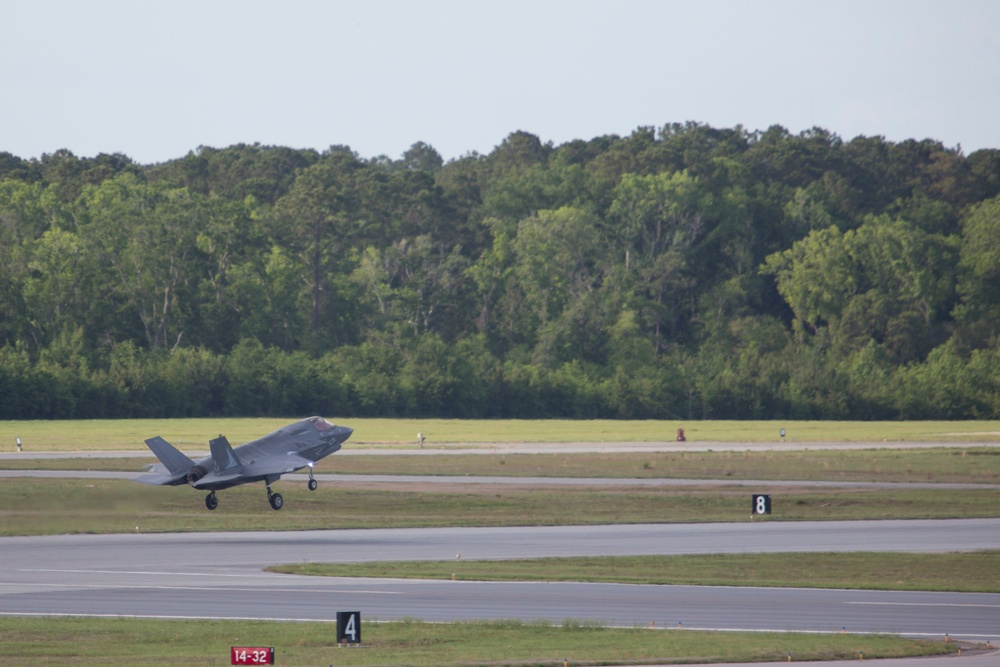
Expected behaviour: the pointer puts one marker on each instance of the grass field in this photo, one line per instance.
(97, 435)
(939, 465)
(52, 506)
(48, 506)
(942, 465)
(87, 642)
(963, 572)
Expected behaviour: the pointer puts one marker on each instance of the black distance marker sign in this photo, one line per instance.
(761, 504)
(349, 627)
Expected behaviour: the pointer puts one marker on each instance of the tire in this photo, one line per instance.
(276, 501)
(313, 484)
(211, 501)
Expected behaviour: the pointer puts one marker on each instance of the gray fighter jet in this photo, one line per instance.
(288, 449)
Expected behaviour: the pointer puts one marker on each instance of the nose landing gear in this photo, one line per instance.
(312, 482)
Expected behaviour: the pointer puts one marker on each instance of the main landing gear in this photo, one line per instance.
(274, 498)
(277, 502)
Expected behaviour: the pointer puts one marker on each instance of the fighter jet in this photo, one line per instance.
(290, 448)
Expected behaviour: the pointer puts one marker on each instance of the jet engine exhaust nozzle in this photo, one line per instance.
(195, 474)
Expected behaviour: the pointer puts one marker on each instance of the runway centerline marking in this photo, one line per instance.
(928, 604)
(259, 575)
(176, 618)
(313, 591)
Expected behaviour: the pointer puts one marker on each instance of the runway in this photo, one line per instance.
(219, 575)
(401, 481)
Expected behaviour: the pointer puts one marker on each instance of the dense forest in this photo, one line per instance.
(685, 272)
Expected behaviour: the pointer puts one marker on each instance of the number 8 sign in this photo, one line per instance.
(761, 504)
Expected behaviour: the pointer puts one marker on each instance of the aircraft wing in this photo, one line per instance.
(278, 464)
(295, 462)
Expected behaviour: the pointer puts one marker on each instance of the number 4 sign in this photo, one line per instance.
(349, 627)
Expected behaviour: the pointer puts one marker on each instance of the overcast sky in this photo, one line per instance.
(155, 80)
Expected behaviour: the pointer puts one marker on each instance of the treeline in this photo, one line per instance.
(681, 273)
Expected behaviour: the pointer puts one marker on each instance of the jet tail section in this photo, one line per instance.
(224, 459)
(173, 459)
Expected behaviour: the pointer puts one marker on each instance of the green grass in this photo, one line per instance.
(97, 435)
(52, 506)
(963, 465)
(960, 572)
(33, 506)
(88, 642)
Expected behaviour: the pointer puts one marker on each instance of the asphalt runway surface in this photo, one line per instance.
(219, 575)
(402, 481)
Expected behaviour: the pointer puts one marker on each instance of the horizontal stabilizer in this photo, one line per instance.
(174, 460)
(160, 479)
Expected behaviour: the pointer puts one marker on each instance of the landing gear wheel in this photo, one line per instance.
(276, 501)
(312, 485)
(211, 501)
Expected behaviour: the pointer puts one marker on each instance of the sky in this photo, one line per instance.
(155, 80)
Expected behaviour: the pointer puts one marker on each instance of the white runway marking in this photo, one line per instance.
(272, 575)
(926, 604)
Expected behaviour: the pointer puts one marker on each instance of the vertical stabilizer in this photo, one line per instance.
(224, 459)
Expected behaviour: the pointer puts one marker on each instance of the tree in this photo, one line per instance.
(15, 168)
(657, 220)
(53, 292)
(886, 282)
(231, 248)
(415, 285)
(518, 150)
(558, 267)
(145, 237)
(27, 212)
(421, 157)
(979, 277)
(317, 220)
(264, 172)
(677, 270)
(984, 170)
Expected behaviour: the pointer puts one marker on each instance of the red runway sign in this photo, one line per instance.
(252, 655)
